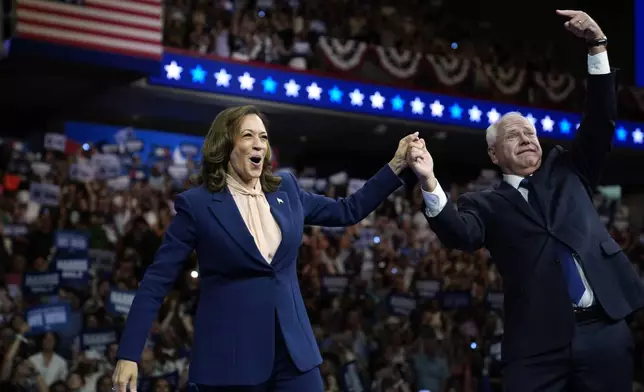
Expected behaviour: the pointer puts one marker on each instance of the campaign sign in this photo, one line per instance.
(97, 339)
(456, 299)
(495, 299)
(401, 305)
(106, 166)
(428, 289)
(55, 142)
(41, 283)
(48, 318)
(332, 285)
(134, 146)
(188, 149)
(15, 230)
(101, 261)
(44, 194)
(74, 272)
(71, 242)
(120, 301)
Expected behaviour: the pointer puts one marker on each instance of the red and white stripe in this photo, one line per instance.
(129, 27)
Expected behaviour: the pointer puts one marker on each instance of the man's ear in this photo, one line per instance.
(491, 152)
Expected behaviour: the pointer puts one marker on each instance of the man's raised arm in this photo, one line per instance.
(593, 140)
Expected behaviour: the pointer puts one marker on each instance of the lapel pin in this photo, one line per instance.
(279, 201)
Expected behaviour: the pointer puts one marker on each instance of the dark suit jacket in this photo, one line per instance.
(538, 310)
(240, 292)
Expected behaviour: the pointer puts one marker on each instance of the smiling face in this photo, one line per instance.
(516, 149)
(249, 151)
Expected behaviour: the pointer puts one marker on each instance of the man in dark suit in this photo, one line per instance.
(568, 285)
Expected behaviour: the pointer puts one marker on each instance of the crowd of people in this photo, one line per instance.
(441, 46)
(291, 28)
(392, 309)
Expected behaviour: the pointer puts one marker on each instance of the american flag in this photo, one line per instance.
(126, 27)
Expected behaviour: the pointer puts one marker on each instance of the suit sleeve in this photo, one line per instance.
(593, 140)
(461, 229)
(159, 278)
(324, 211)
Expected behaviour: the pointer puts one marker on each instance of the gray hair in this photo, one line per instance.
(491, 133)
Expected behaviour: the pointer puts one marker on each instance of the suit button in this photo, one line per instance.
(556, 262)
(551, 231)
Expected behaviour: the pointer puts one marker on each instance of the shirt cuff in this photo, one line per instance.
(434, 201)
(598, 64)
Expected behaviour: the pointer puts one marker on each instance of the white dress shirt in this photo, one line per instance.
(435, 201)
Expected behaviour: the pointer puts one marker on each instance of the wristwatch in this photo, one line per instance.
(597, 42)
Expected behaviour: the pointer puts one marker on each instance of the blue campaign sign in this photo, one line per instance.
(74, 271)
(71, 242)
(325, 92)
(46, 318)
(41, 283)
(401, 304)
(97, 339)
(120, 301)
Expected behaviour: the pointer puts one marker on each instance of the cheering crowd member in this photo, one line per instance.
(246, 224)
(568, 285)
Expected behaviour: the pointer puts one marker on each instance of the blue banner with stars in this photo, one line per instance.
(300, 88)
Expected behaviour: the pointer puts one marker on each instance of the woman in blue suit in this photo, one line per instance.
(252, 332)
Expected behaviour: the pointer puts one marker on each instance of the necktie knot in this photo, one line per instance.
(525, 183)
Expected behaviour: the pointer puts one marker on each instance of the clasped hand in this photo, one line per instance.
(412, 152)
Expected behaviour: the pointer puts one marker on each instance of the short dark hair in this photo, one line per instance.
(219, 144)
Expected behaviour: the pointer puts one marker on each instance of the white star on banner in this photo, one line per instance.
(292, 88)
(493, 116)
(314, 91)
(531, 119)
(547, 124)
(173, 71)
(475, 114)
(246, 82)
(437, 108)
(356, 97)
(223, 78)
(638, 136)
(377, 100)
(417, 106)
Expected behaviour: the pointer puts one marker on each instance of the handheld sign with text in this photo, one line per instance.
(402, 305)
(97, 339)
(47, 318)
(495, 299)
(71, 242)
(74, 272)
(428, 289)
(333, 285)
(120, 301)
(455, 299)
(41, 283)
